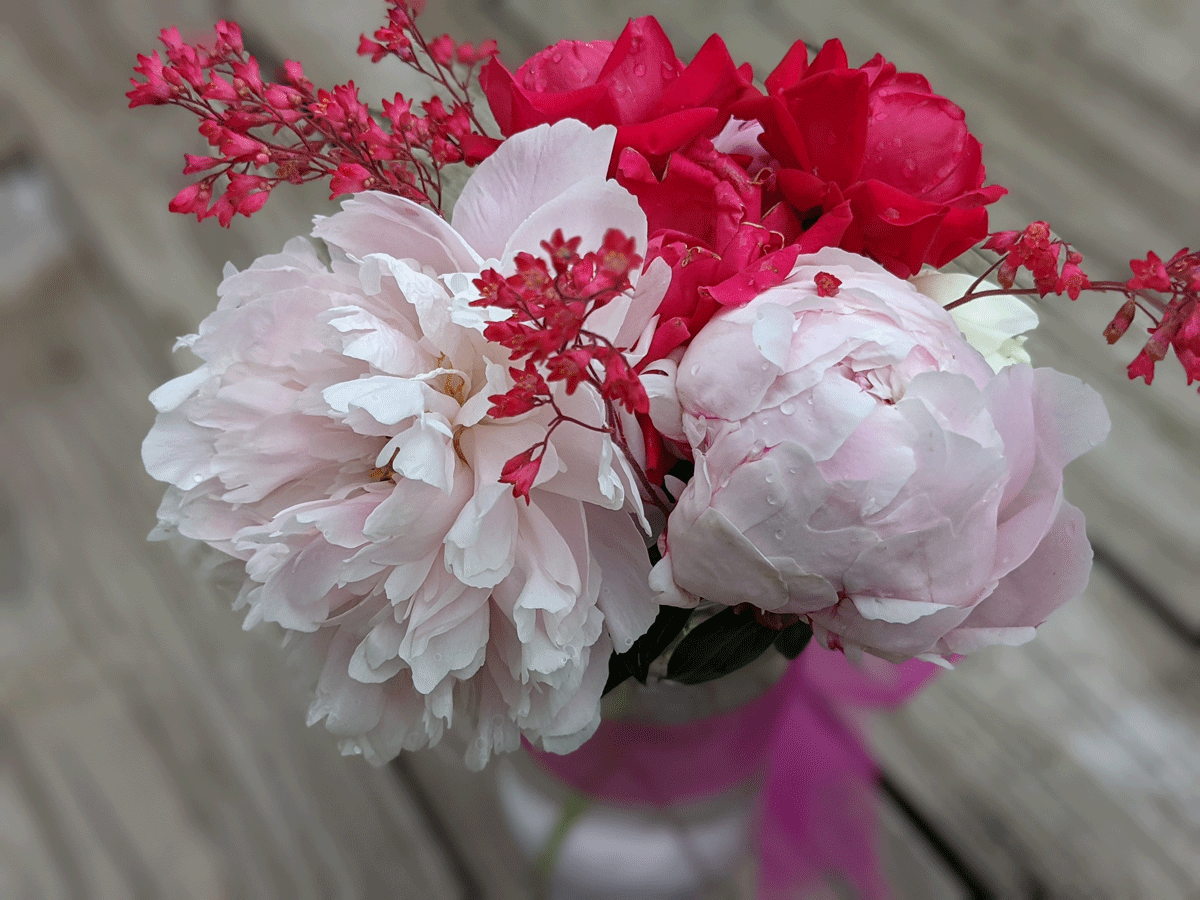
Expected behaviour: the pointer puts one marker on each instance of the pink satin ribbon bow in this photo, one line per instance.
(817, 813)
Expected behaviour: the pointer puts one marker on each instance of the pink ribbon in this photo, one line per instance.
(817, 815)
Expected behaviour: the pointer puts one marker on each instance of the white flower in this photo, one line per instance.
(336, 439)
(994, 326)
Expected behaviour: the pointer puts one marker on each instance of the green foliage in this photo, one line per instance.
(635, 662)
(718, 646)
(793, 639)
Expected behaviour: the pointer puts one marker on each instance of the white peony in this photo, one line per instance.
(336, 440)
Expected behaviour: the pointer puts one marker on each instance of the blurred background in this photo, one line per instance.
(150, 748)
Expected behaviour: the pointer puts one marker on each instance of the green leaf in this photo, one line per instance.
(635, 662)
(718, 646)
(793, 639)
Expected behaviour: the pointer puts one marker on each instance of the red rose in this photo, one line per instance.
(898, 153)
(638, 84)
(706, 220)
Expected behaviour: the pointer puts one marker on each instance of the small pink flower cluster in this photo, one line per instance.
(549, 313)
(1035, 250)
(296, 133)
(1175, 319)
(399, 36)
(1178, 322)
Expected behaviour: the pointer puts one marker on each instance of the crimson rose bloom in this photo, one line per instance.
(882, 140)
(638, 84)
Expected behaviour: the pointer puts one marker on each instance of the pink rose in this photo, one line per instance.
(882, 140)
(638, 84)
(858, 463)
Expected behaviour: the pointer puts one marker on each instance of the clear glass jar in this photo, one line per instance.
(592, 849)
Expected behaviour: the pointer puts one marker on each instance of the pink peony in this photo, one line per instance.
(336, 440)
(860, 464)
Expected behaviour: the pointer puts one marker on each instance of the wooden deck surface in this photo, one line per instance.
(150, 748)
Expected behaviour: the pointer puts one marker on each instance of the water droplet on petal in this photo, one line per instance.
(787, 408)
(635, 44)
(556, 57)
(897, 142)
(891, 213)
(639, 70)
(772, 500)
(791, 470)
(197, 478)
(909, 168)
(779, 535)
(695, 368)
(668, 71)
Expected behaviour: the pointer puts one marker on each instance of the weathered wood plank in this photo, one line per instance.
(1067, 767)
(31, 243)
(151, 747)
(688, 25)
(63, 68)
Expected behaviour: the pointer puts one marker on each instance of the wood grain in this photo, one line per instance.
(151, 747)
(1067, 768)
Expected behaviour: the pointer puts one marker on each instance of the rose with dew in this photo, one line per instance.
(859, 464)
(336, 439)
(884, 142)
(636, 83)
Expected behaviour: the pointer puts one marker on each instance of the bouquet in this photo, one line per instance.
(674, 382)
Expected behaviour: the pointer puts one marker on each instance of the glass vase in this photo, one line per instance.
(591, 847)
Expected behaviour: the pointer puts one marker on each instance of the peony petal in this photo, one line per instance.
(481, 545)
(1057, 571)
(625, 598)
(171, 395)
(895, 610)
(772, 332)
(371, 222)
(715, 547)
(387, 399)
(587, 209)
(528, 170)
(369, 338)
